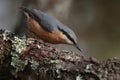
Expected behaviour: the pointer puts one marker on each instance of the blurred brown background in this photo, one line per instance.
(95, 22)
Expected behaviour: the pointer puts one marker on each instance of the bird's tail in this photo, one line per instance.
(78, 47)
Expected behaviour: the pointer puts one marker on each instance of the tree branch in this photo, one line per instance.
(45, 62)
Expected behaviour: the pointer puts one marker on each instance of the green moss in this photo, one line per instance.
(34, 64)
(18, 47)
(79, 77)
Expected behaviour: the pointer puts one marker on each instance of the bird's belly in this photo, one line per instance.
(54, 38)
(51, 38)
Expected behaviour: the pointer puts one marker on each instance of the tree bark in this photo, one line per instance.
(44, 62)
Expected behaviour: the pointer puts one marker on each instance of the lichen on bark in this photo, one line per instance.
(45, 62)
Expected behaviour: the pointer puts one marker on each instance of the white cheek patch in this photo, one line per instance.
(67, 40)
(27, 15)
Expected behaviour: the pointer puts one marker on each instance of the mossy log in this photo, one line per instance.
(45, 62)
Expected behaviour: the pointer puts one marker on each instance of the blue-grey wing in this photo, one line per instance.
(46, 21)
(68, 32)
(53, 25)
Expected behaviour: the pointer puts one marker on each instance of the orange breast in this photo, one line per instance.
(55, 38)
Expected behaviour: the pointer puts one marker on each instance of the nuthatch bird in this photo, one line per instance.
(48, 28)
